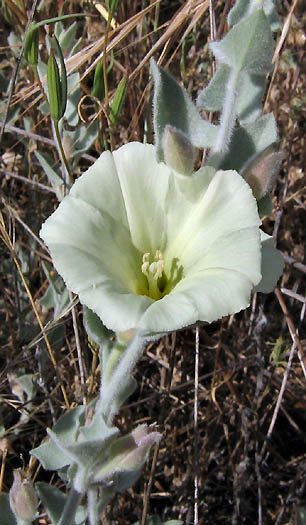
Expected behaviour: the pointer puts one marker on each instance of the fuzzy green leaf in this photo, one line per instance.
(66, 429)
(243, 8)
(212, 97)
(173, 106)
(54, 501)
(249, 140)
(248, 46)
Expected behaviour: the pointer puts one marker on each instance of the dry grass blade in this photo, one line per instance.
(7, 241)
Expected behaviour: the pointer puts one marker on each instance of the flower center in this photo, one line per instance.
(159, 279)
(153, 270)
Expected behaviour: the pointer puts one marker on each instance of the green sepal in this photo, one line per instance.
(30, 51)
(57, 83)
(98, 89)
(98, 83)
(54, 87)
(125, 458)
(63, 77)
(118, 101)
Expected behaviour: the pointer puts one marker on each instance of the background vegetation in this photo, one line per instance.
(250, 437)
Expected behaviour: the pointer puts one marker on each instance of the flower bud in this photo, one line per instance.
(143, 438)
(23, 499)
(261, 171)
(57, 84)
(54, 87)
(127, 456)
(178, 150)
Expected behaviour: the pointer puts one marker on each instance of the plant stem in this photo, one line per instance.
(92, 506)
(227, 121)
(60, 145)
(69, 512)
(130, 356)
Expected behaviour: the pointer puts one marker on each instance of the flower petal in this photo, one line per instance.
(119, 310)
(99, 186)
(144, 185)
(224, 206)
(207, 297)
(239, 251)
(87, 246)
(95, 257)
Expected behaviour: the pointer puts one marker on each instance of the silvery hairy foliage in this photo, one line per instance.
(153, 275)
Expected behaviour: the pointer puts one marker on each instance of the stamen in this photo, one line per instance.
(146, 263)
(152, 268)
(153, 271)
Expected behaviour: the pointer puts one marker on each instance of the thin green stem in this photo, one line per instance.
(60, 145)
(156, 16)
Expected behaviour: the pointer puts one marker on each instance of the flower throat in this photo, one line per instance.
(158, 284)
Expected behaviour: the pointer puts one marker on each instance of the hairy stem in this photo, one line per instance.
(92, 506)
(227, 121)
(124, 368)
